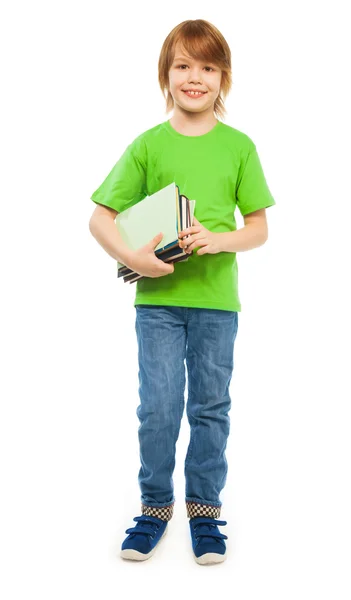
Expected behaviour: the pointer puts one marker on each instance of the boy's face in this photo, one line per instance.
(189, 74)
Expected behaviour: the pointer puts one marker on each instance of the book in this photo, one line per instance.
(166, 210)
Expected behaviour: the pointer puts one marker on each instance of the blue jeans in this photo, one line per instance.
(204, 338)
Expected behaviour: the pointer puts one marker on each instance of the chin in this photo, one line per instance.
(194, 107)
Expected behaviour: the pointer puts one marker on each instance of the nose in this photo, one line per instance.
(194, 76)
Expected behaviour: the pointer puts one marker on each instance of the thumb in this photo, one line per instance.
(196, 222)
(156, 239)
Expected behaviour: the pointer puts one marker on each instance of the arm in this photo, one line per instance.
(253, 234)
(103, 228)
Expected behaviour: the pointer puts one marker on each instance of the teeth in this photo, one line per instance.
(195, 93)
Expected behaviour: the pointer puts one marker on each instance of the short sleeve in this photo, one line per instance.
(125, 185)
(252, 192)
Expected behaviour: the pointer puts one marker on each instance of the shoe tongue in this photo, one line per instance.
(206, 523)
(209, 528)
(150, 522)
(143, 524)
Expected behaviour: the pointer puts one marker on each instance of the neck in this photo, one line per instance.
(193, 123)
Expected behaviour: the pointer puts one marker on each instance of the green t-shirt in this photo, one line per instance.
(220, 170)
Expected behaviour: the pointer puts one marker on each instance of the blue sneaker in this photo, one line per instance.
(143, 538)
(208, 543)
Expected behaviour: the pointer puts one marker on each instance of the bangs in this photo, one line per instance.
(198, 43)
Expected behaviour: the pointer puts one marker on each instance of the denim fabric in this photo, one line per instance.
(168, 338)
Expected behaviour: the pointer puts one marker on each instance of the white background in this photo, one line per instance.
(79, 84)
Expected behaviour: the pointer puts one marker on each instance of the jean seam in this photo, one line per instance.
(191, 441)
(182, 388)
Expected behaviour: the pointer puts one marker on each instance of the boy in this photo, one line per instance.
(187, 311)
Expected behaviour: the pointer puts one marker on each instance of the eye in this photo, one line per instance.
(180, 67)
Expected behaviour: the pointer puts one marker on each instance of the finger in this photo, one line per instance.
(187, 241)
(189, 231)
(196, 244)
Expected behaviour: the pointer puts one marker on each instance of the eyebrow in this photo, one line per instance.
(183, 58)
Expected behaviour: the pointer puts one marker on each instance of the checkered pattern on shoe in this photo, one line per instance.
(162, 512)
(195, 509)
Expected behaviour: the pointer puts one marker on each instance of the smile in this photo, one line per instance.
(194, 94)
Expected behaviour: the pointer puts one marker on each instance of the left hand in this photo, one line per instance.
(200, 236)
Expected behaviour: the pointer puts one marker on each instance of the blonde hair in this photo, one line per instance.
(202, 41)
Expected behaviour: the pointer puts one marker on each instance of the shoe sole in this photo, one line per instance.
(210, 558)
(130, 554)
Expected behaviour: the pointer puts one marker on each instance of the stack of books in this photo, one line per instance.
(167, 211)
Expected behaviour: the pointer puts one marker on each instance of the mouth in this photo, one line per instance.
(194, 94)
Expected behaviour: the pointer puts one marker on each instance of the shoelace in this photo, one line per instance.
(145, 525)
(208, 528)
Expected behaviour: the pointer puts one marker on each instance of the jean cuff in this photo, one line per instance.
(196, 509)
(161, 512)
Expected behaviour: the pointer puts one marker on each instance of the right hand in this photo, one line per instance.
(145, 262)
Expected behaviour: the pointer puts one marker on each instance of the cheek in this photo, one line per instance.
(172, 81)
(176, 79)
